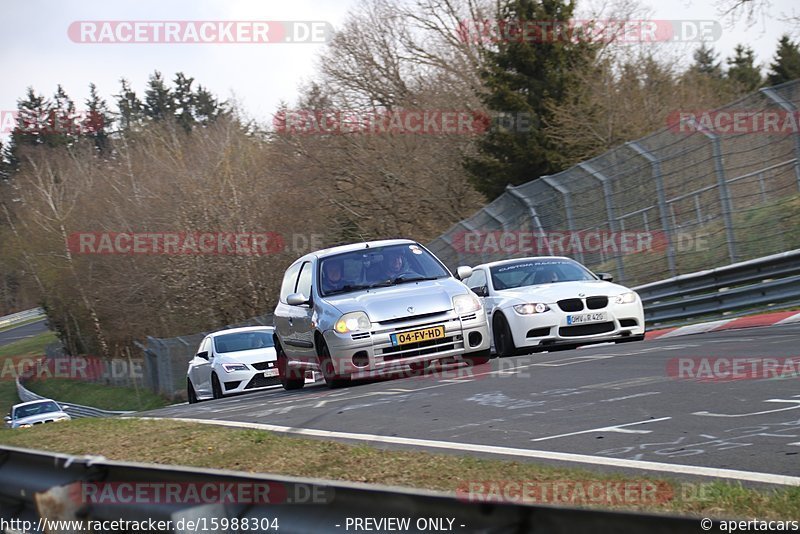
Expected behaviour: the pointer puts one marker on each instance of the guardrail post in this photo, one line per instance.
(661, 197)
(724, 194)
(537, 223)
(773, 95)
(551, 181)
(612, 221)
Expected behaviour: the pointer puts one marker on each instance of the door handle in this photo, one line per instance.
(290, 321)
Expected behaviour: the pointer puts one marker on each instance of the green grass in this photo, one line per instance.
(69, 391)
(31, 346)
(200, 445)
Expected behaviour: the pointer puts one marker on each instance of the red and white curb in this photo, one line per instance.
(767, 319)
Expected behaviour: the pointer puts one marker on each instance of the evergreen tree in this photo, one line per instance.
(131, 109)
(705, 62)
(786, 65)
(206, 108)
(98, 120)
(62, 124)
(31, 129)
(742, 69)
(158, 104)
(184, 101)
(523, 76)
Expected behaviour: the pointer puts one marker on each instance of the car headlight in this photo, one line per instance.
(625, 298)
(353, 322)
(464, 304)
(231, 367)
(26, 425)
(62, 419)
(531, 308)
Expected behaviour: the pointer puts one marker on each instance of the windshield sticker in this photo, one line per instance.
(415, 249)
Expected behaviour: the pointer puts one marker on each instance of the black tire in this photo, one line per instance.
(503, 340)
(190, 392)
(216, 388)
(290, 378)
(332, 380)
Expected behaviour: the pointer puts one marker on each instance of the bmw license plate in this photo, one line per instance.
(584, 318)
(415, 336)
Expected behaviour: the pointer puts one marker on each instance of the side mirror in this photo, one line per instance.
(203, 355)
(605, 276)
(296, 299)
(463, 272)
(64, 408)
(7, 418)
(481, 291)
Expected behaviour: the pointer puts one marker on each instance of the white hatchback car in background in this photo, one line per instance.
(548, 302)
(27, 414)
(232, 361)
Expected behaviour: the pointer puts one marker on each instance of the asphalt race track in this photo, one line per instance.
(615, 405)
(21, 332)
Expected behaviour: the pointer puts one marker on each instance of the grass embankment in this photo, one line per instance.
(200, 445)
(14, 356)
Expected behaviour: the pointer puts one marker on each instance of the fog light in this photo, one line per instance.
(475, 339)
(361, 358)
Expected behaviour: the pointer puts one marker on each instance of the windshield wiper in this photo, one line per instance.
(414, 278)
(346, 289)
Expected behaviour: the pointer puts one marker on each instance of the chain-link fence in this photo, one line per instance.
(166, 360)
(709, 189)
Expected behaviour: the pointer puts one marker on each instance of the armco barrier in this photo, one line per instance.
(771, 281)
(74, 410)
(19, 317)
(37, 484)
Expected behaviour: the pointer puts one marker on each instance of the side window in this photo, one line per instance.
(205, 345)
(289, 281)
(304, 282)
(478, 279)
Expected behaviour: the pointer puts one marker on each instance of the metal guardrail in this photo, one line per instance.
(36, 484)
(74, 410)
(725, 291)
(19, 317)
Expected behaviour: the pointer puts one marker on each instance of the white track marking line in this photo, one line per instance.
(613, 428)
(796, 406)
(768, 478)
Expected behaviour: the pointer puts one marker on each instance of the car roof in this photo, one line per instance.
(241, 329)
(363, 245)
(32, 402)
(529, 258)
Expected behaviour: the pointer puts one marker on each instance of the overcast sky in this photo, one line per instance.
(37, 50)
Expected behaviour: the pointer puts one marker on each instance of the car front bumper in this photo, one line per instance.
(252, 379)
(554, 327)
(363, 354)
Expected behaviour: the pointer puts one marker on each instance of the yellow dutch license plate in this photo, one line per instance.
(415, 336)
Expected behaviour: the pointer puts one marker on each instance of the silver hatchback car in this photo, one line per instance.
(355, 310)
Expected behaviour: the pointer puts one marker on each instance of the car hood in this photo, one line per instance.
(550, 293)
(393, 302)
(249, 356)
(38, 418)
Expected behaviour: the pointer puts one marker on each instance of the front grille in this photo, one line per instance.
(362, 335)
(263, 366)
(570, 305)
(259, 381)
(585, 329)
(431, 346)
(469, 317)
(413, 317)
(596, 303)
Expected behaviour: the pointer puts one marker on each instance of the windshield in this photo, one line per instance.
(243, 341)
(378, 267)
(36, 409)
(536, 272)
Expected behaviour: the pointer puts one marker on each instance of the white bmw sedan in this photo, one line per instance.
(233, 361)
(542, 303)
